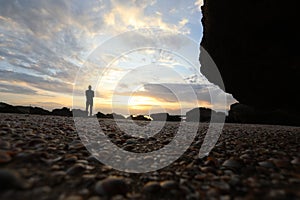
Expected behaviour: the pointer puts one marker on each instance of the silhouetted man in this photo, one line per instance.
(89, 99)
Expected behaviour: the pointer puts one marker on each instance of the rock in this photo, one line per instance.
(76, 145)
(94, 198)
(233, 164)
(4, 144)
(4, 157)
(165, 117)
(10, 179)
(73, 197)
(240, 113)
(111, 186)
(62, 112)
(110, 116)
(152, 187)
(139, 118)
(204, 115)
(76, 169)
(6, 108)
(267, 164)
(169, 185)
(296, 161)
(261, 64)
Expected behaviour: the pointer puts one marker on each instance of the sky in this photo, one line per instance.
(51, 50)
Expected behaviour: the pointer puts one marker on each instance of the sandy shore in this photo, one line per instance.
(42, 157)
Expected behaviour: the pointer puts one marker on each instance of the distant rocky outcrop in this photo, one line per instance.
(204, 115)
(139, 118)
(165, 117)
(6, 108)
(109, 116)
(255, 45)
(62, 112)
(240, 113)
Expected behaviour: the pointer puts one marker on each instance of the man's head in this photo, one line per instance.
(90, 87)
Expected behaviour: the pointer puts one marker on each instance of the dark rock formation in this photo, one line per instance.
(255, 44)
(109, 116)
(205, 115)
(165, 117)
(139, 118)
(6, 108)
(100, 115)
(115, 116)
(62, 112)
(240, 113)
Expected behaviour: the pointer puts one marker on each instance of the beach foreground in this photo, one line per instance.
(42, 157)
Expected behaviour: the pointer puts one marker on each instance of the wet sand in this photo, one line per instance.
(42, 157)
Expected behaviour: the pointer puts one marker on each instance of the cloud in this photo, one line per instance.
(199, 3)
(43, 44)
(185, 94)
(52, 85)
(15, 89)
(132, 15)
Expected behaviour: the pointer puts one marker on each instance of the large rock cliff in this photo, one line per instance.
(256, 46)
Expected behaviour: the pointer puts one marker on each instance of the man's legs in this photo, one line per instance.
(91, 108)
(86, 108)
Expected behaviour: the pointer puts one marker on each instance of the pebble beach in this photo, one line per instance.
(43, 157)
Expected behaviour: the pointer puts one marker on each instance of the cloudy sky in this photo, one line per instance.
(51, 50)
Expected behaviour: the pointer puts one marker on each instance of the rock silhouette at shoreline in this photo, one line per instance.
(255, 45)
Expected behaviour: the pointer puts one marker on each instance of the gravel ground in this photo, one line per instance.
(42, 157)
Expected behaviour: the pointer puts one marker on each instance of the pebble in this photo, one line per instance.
(152, 187)
(111, 186)
(233, 164)
(296, 161)
(5, 157)
(94, 198)
(267, 164)
(76, 145)
(73, 197)
(169, 185)
(4, 144)
(76, 169)
(249, 161)
(10, 179)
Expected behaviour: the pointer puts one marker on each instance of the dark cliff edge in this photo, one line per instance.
(255, 45)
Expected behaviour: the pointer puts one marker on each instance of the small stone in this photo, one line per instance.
(267, 164)
(71, 159)
(129, 147)
(151, 187)
(4, 157)
(169, 185)
(92, 159)
(280, 163)
(111, 186)
(36, 142)
(221, 185)
(4, 144)
(73, 197)
(10, 179)
(41, 190)
(233, 164)
(76, 145)
(76, 169)
(131, 141)
(94, 198)
(296, 161)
